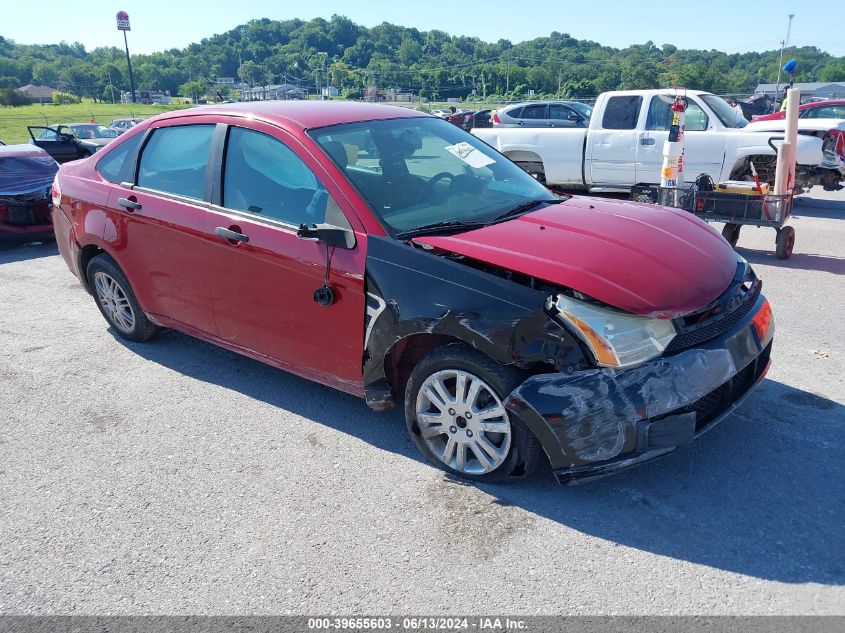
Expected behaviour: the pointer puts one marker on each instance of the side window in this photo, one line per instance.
(620, 113)
(515, 113)
(48, 134)
(827, 112)
(560, 112)
(175, 158)
(660, 116)
(534, 112)
(113, 165)
(263, 176)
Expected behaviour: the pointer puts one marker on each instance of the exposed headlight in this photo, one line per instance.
(615, 339)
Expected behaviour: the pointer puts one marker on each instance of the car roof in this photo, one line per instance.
(22, 150)
(301, 114)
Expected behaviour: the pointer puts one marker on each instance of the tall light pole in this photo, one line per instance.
(123, 25)
(783, 45)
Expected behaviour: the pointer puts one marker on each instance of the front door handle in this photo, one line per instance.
(232, 236)
(646, 141)
(129, 205)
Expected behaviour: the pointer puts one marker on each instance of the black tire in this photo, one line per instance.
(731, 233)
(524, 449)
(142, 328)
(785, 242)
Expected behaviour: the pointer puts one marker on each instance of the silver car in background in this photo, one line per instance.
(543, 114)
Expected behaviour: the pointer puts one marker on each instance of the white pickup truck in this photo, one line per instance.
(623, 145)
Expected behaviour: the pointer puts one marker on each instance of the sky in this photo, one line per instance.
(726, 25)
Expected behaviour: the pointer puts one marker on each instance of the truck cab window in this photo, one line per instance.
(621, 113)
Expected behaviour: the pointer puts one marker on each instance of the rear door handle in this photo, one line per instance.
(128, 204)
(646, 141)
(233, 236)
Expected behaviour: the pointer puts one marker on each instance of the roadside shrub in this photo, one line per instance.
(64, 98)
(12, 97)
(352, 93)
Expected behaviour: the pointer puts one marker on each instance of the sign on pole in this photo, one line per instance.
(123, 21)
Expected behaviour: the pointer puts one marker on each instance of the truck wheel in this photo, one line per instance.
(731, 233)
(116, 301)
(455, 415)
(785, 242)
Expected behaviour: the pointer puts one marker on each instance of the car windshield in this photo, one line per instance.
(422, 171)
(730, 117)
(92, 131)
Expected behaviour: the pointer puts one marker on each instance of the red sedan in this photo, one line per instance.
(393, 256)
(813, 110)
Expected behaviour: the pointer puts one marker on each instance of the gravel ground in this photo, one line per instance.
(177, 478)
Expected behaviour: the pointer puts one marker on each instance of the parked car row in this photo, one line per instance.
(392, 255)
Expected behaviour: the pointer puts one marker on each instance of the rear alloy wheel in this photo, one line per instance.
(117, 302)
(731, 233)
(454, 405)
(785, 242)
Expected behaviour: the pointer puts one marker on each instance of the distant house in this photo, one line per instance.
(329, 91)
(147, 96)
(388, 94)
(38, 94)
(820, 89)
(273, 91)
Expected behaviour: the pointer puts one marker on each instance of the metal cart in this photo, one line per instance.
(735, 209)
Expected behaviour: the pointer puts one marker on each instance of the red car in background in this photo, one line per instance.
(396, 257)
(26, 173)
(814, 110)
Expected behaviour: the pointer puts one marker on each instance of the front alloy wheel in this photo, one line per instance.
(463, 422)
(454, 409)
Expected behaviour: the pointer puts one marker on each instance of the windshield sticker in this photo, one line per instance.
(470, 155)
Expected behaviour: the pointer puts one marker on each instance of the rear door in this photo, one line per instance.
(536, 115)
(62, 147)
(264, 280)
(157, 227)
(612, 143)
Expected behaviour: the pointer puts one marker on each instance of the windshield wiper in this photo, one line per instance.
(522, 208)
(439, 227)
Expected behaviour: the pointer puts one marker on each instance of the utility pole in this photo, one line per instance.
(508, 76)
(111, 87)
(123, 25)
(783, 44)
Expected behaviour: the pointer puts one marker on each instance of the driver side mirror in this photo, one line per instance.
(65, 137)
(328, 234)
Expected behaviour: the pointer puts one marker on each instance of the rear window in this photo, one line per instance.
(621, 112)
(113, 165)
(175, 158)
(534, 112)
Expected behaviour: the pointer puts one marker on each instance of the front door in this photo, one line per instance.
(704, 147)
(60, 145)
(265, 277)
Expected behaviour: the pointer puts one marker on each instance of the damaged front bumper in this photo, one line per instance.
(594, 423)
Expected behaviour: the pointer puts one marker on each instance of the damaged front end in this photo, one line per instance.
(600, 421)
(594, 411)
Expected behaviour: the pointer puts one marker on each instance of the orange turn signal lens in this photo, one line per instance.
(604, 353)
(762, 321)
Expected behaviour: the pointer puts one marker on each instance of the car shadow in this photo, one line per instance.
(18, 252)
(803, 261)
(818, 208)
(762, 494)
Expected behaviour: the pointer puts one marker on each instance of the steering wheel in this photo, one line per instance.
(429, 185)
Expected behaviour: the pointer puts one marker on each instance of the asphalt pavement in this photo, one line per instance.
(174, 477)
